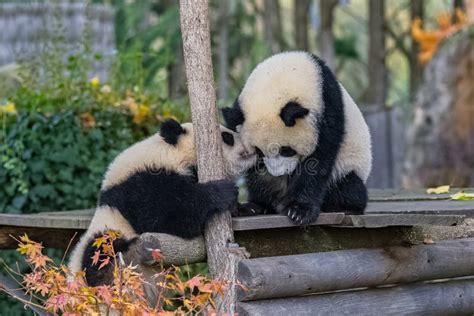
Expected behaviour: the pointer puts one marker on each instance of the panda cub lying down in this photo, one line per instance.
(152, 187)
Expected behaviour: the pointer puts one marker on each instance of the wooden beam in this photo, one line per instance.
(49, 237)
(422, 207)
(287, 276)
(278, 221)
(296, 240)
(64, 220)
(175, 250)
(385, 220)
(448, 298)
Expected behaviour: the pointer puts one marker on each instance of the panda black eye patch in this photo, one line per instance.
(228, 138)
(287, 151)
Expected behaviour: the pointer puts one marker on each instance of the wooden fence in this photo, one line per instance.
(387, 128)
(27, 28)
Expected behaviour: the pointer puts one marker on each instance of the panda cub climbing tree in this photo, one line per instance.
(152, 187)
(313, 144)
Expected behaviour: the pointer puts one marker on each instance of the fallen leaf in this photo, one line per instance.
(439, 190)
(428, 241)
(462, 196)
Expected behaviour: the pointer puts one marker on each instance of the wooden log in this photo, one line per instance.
(286, 276)
(175, 250)
(296, 240)
(447, 298)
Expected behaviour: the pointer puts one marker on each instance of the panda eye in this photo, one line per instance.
(228, 138)
(287, 151)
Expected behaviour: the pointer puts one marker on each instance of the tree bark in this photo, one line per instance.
(223, 57)
(377, 90)
(326, 37)
(301, 12)
(416, 69)
(273, 30)
(194, 16)
(440, 148)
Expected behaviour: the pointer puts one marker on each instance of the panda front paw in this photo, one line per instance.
(248, 209)
(224, 194)
(299, 213)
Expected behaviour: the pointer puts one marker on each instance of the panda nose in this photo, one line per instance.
(244, 154)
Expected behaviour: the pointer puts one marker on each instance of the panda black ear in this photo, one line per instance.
(233, 117)
(171, 130)
(292, 111)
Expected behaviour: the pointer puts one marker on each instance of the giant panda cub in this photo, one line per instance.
(313, 144)
(152, 187)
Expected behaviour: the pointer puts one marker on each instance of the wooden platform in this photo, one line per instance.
(387, 208)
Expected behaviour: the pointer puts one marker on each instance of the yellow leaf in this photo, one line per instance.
(25, 238)
(95, 82)
(141, 114)
(462, 196)
(99, 241)
(439, 190)
(8, 108)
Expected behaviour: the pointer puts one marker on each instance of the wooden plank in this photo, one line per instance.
(447, 298)
(380, 195)
(296, 240)
(62, 220)
(422, 207)
(287, 276)
(279, 221)
(385, 220)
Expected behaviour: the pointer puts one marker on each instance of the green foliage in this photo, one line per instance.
(49, 162)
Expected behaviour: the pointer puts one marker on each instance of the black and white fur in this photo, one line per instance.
(152, 187)
(313, 143)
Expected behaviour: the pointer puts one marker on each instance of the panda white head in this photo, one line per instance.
(277, 110)
(173, 150)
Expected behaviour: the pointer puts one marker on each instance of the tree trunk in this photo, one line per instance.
(301, 12)
(377, 90)
(223, 57)
(326, 38)
(273, 30)
(469, 4)
(176, 82)
(440, 147)
(194, 16)
(416, 69)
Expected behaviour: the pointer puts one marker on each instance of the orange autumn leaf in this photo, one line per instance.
(157, 255)
(429, 40)
(95, 258)
(87, 120)
(195, 282)
(104, 262)
(40, 260)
